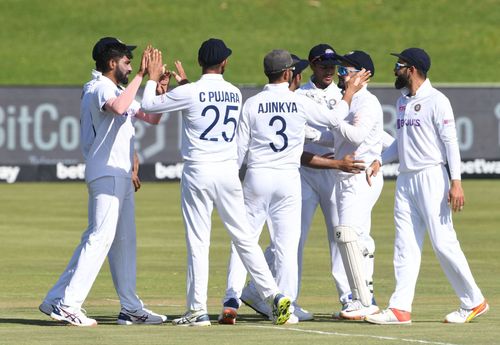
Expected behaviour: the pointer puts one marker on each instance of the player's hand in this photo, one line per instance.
(180, 75)
(372, 170)
(135, 173)
(456, 198)
(144, 61)
(356, 83)
(155, 66)
(136, 182)
(351, 165)
(163, 83)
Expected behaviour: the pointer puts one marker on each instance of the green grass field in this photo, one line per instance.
(42, 223)
(50, 42)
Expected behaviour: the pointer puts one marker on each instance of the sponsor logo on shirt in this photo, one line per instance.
(417, 107)
(400, 123)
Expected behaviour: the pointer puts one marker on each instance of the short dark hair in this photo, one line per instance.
(275, 76)
(113, 51)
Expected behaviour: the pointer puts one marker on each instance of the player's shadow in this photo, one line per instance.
(31, 322)
(101, 320)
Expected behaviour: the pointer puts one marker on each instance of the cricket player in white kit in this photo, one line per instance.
(107, 137)
(210, 113)
(317, 184)
(271, 136)
(361, 132)
(426, 140)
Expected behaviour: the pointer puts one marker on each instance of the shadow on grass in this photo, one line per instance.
(101, 320)
(32, 322)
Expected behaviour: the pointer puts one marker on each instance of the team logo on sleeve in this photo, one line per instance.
(417, 107)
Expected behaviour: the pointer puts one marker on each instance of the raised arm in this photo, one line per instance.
(120, 104)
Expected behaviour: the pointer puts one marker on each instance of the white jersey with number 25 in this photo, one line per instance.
(210, 108)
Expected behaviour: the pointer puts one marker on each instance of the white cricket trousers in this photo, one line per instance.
(318, 189)
(355, 201)
(111, 232)
(204, 185)
(273, 195)
(421, 204)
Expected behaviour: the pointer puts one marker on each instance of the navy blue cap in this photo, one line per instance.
(323, 54)
(101, 46)
(358, 59)
(299, 64)
(212, 52)
(415, 57)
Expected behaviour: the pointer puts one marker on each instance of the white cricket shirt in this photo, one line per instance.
(210, 111)
(272, 126)
(328, 98)
(361, 131)
(426, 133)
(107, 139)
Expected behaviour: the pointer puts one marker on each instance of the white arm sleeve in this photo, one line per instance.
(177, 99)
(445, 123)
(318, 114)
(387, 140)
(390, 154)
(357, 132)
(243, 135)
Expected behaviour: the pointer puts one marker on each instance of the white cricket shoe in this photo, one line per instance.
(292, 320)
(390, 316)
(72, 316)
(302, 314)
(336, 314)
(251, 298)
(467, 315)
(193, 318)
(355, 310)
(141, 316)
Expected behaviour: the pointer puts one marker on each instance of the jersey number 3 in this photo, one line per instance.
(227, 120)
(280, 132)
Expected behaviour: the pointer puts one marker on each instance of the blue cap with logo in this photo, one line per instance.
(104, 43)
(359, 59)
(212, 52)
(299, 64)
(415, 57)
(323, 54)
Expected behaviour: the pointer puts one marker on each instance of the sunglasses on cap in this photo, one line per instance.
(398, 66)
(343, 70)
(324, 57)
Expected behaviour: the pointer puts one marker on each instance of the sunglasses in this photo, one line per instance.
(343, 71)
(398, 66)
(324, 57)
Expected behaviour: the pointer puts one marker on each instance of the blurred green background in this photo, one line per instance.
(50, 42)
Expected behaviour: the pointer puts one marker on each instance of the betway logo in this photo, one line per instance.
(481, 166)
(70, 172)
(473, 167)
(169, 172)
(9, 174)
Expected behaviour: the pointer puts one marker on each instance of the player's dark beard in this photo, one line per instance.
(402, 81)
(122, 78)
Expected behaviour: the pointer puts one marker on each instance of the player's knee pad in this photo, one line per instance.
(353, 260)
